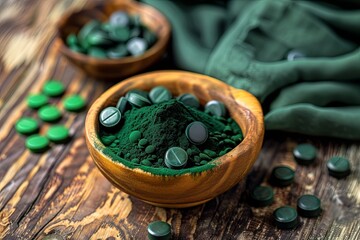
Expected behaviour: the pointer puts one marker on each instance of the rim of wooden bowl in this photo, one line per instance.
(252, 125)
(161, 42)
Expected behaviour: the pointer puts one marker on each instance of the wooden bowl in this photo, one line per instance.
(183, 190)
(114, 69)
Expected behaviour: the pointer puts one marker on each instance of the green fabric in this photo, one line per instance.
(245, 44)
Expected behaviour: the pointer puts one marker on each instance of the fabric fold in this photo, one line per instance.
(308, 119)
(247, 45)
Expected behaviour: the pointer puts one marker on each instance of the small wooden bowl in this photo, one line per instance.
(114, 69)
(187, 189)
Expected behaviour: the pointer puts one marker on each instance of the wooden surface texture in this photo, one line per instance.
(62, 192)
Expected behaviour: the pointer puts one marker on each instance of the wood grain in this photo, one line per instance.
(62, 192)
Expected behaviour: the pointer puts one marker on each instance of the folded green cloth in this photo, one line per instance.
(247, 45)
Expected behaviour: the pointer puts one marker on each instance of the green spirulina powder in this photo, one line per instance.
(163, 126)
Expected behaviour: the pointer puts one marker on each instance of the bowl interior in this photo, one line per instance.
(182, 188)
(243, 110)
(150, 17)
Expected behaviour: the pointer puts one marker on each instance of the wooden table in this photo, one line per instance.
(62, 192)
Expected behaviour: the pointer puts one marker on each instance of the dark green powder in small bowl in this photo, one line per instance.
(162, 126)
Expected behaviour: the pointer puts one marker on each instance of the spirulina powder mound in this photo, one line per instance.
(163, 126)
